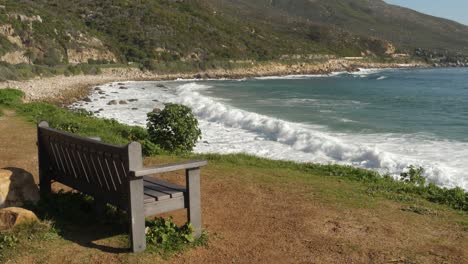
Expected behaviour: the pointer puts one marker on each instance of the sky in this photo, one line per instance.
(452, 9)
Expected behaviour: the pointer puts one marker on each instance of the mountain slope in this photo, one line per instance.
(404, 27)
(200, 32)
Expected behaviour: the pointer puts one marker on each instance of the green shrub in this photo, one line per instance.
(175, 128)
(414, 175)
(9, 97)
(165, 237)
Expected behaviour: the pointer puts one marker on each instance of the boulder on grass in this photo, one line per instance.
(17, 186)
(13, 216)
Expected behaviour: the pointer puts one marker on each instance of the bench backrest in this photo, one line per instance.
(90, 166)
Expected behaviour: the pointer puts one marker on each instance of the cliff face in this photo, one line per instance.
(28, 38)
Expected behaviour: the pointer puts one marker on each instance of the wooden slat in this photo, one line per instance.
(59, 157)
(166, 187)
(159, 196)
(77, 163)
(170, 167)
(85, 155)
(52, 155)
(108, 173)
(160, 207)
(148, 199)
(90, 143)
(100, 164)
(95, 169)
(83, 169)
(71, 161)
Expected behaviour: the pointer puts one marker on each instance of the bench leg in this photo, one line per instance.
(137, 216)
(45, 184)
(194, 201)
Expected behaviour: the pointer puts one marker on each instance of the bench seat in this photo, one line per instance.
(159, 190)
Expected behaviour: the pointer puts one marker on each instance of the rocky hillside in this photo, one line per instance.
(202, 32)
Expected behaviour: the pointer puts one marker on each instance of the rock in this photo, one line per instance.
(155, 100)
(97, 89)
(134, 108)
(156, 110)
(123, 102)
(101, 109)
(17, 186)
(102, 97)
(123, 88)
(133, 100)
(160, 85)
(13, 216)
(120, 83)
(101, 92)
(112, 102)
(87, 99)
(197, 76)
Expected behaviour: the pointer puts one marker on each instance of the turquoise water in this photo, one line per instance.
(384, 120)
(433, 102)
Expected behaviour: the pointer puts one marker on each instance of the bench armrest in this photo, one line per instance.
(169, 167)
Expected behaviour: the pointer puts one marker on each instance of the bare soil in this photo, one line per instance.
(255, 216)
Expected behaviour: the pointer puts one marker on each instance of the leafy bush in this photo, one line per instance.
(414, 175)
(175, 128)
(9, 97)
(164, 236)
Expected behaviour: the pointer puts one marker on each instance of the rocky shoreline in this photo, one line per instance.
(65, 90)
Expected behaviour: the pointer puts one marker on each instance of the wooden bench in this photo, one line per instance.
(115, 175)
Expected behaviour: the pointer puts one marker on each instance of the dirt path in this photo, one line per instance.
(255, 221)
(17, 144)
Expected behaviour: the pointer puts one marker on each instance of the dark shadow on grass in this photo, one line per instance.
(75, 217)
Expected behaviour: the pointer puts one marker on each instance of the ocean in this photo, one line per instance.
(384, 120)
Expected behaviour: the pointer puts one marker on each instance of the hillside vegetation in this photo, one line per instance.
(206, 34)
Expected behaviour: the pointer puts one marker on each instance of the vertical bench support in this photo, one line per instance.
(194, 201)
(136, 204)
(44, 177)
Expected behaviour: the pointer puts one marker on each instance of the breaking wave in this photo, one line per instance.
(227, 129)
(324, 146)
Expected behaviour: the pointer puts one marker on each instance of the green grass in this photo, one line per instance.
(69, 217)
(84, 124)
(19, 237)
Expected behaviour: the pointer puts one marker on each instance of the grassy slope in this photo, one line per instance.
(278, 196)
(247, 201)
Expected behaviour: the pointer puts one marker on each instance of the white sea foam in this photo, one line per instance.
(300, 76)
(382, 78)
(227, 129)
